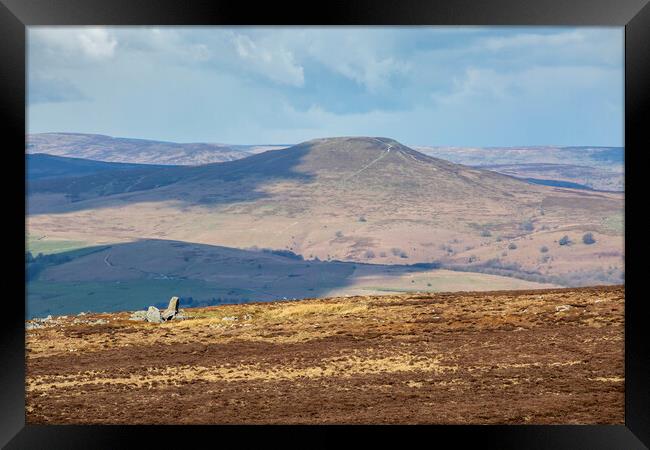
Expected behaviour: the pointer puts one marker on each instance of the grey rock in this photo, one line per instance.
(172, 309)
(42, 319)
(153, 315)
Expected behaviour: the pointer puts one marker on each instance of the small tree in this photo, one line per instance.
(588, 239)
(527, 226)
(486, 233)
(543, 249)
(565, 240)
(512, 246)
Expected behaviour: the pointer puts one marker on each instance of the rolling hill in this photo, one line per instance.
(114, 149)
(356, 199)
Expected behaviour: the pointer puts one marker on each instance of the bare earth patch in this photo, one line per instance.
(541, 356)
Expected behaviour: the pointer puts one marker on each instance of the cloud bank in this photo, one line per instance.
(422, 85)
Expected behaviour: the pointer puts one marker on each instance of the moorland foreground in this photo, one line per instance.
(536, 356)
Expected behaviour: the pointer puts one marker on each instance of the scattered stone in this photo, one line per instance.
(229, 318)
(139, 315)
(562, 308)
(98, 322)
(172, 309)
(33, 325)
(81, 314)
(180, 316)
(153, 315)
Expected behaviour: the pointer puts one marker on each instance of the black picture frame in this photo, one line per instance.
(16, 15)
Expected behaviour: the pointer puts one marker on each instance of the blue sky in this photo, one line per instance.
(448, 86)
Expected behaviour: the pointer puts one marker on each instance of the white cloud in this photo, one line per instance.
(269, 58)
(237, 84)
(97, 43)
(534, 39)
(580, 46)
(90, 43)
(367, 57)
(535, 85)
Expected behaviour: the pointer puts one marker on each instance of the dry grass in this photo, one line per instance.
(553, 356)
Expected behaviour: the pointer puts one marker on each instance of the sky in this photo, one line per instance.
(439, 86)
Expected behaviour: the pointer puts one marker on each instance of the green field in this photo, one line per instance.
(615, 223)
(38, 244)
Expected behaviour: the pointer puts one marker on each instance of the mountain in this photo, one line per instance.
(340, 166)
(113, 149)
(42, 166)
(355, 199)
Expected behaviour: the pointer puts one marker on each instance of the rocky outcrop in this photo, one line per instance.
(154, 315)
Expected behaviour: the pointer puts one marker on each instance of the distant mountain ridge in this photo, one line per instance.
(599, 168)
(115, 149)
(595, 167)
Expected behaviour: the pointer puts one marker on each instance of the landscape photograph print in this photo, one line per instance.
(325, 225)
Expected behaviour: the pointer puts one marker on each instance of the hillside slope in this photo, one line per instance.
(136, 274)
(43, 166)
(351, 199)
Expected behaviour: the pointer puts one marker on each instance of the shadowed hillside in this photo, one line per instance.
(137, 274)
(42, 166)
